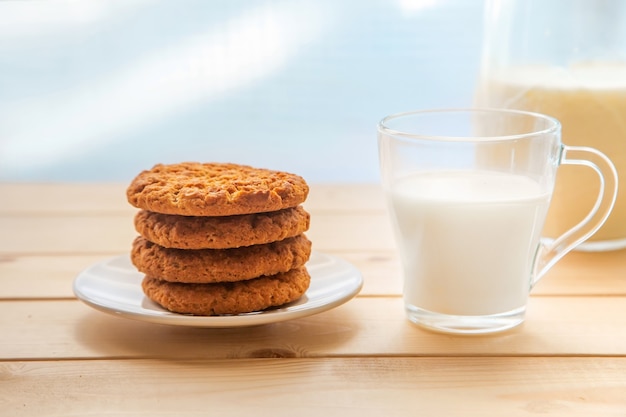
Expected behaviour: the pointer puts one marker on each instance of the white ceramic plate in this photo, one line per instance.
(114, 286)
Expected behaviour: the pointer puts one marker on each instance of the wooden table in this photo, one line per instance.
(60, 357)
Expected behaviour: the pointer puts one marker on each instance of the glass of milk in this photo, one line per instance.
(566, 59)
(468, 192)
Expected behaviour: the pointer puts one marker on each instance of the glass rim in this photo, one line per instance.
(554, 125)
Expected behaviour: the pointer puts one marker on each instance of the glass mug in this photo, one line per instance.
(468, 192)
(566, 59)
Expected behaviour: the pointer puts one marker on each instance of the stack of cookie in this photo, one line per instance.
(220, 238)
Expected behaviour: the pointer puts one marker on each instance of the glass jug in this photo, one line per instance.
(566, 59)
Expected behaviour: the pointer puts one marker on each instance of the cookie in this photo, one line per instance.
(195, 232)
(219, 265)
(228, 298)
(215, 189)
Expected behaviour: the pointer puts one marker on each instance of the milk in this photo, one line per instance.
(468, 239)
(590, 102)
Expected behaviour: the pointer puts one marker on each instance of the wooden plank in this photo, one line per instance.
(58, 198)
(31, 277)
(364, 326)
(81, 198)
(586, 273)
(313, 387)
(577, 274)
(41, 277)
(113, 233)
(66, 234)
(336, 233)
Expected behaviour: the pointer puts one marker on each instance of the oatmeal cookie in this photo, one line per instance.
(215, 189)
(202, 232)
(219, 265)
(231, 297)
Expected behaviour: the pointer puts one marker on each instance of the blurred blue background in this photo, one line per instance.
(97, 90)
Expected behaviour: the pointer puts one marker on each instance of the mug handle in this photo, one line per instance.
(550, 254)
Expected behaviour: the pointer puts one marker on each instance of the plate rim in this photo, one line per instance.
(352, 276)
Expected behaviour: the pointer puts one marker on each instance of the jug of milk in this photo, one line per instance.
(566, 59)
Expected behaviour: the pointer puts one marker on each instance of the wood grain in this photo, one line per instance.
(60, 357)
(313, 387)
(365, 326)
(113, 233)
(578, 273)
(41, 277)
(49, 198)
(55, 198)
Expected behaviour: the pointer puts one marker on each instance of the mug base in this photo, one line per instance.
(468, 325)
